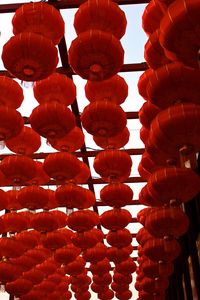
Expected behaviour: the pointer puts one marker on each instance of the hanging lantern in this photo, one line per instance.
(83, 175)
(55, 88)
(125, 295)
(96, 55)
(116, 194)
(101, 267)
(180, 83)
(19, 287)
(52, 202)
(71, 142)
(113, 165)
(155, 296)
(144, 134)
(26, 143)
(81, 279)
(18, 168)
(162, 249)
(154, 53)
(11, 123)
(103, 279)
(24, 262)
(101, 14)
(27, 62)
(83, 220)
(11, 92)
(157, 285)
(119, 278)
(108, 295)
(173, 184)
(34, 275)
(8, 272)
(143, 236)
(33, 197)
(61, 218)
(46, 286)
(73, 196)
(79, 288)
(48, 267)
(126, 267)
(10, 247)
(44, 222)
(38, 255)
(86, 240)
(143, 82)
(29, 239)
(115, 219)
(61, 166)
(4, 200)
(83, 296)
(103, 118)
(147, 113)
(54, 240)
(114, 90)
(117, 255)
(167, 221)
(52, 120)
(178, 33)
(116, 142)
(33, 295)
(152, 17)
(40, 177)
(96, 253)
(142, 214)
(157, 269)
(119, 287)
(120, 238)
(99, 288)
(76, 267)
(40, 18)
(15, 222)
(56, 278)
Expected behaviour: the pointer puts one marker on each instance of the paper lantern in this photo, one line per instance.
(117, 255)
(116, 142)
(85, 240)
(114, 90)
(71, 195)
(96, 55)
(155, 269)
(54, 240)
(83, 220)
(143, 82)
(108, 295)
(143, 235)
(34, 275)
(126, 267)
(48, 267)
(71, 142)
(61, 218)
(81, 279)
(76, 267)
(142, 214)
(103, 119)
(33, 295)
(119, 278)
(11, 92)
(103, 15)
(33, 197)
(113, 165)
(147, 113)
(61, 166)
(56, 278)
(24, 262)
(29, 239)
(52, 120)
(55, 88)
(15, 222)
(115, 219)
(178, 33)
(83, 296)
(8, 272)
(99, 288)
(125, 295)
(152, 17)
(120, 238)
(44, 222)
(79, 288)
(172, 84)
(40, 18)
(157, 285)
(46, 286)
(38, 255)
(10, 248)
(95, 254)
(4, 200)
(30, 56)
(144, 134)
(119, 287)
(116, 194)
(19, 287)
(104, 279)
(18, 168)
(101, 267)
(155, 296)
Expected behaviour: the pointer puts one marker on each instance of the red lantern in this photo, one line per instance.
(152, 17)
(15, 222)
(8, 272)
(116, 194)
(29, 239)
(52, 202)
(108, 295)
(48, 267)
(157, 285)
(44, 222)
(115, 219)
(178, 80)
(142, 236)
(54, 240)
(101, 267)
(83, 220)
(19, 287)
(57, 87)
(4, 200)
(71, 142)
(103, 118)
(142, 214)
(167, 221)
(46, 286)
(34, 275)
(83, 175)
(10, 247)
(27, 62)
(155, 296)
(154, 53)
(147, 113)
(66, 254)
(119, 287)
(81, 279)
(178, 33)
(61, 166)
(76, 267)
(96, 253)
(85, 240)
(83, 296)
(18, 168)
(96, 55)
(26, 143)
(38, 255)
(11, 92)
(117, 255)
(119, 278)
(125, 295)
(103, 279)
(40, 177)
(56, 278)
(116, 142)
(99, 288)
(113, 165)
(52, 120)
(79, 288)
(61, 218)
(73, 196)
(11, 123)
(103, 15)
(33, 197)
(144, 134)
(162, 249)
(126, 267)
(24, 262)
(33, 295)
(114, 90)
(143, 82)
(120, 238)
(156, 269)
(40, 18)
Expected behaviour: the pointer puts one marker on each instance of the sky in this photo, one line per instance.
(133, 44)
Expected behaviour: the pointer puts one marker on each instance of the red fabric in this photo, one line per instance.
(101, 14)
(76, 267)
(19, 287)
(10, 248)
(96, 253)
(120, 238)
(119, 278)
(33, 197)
(151, 17)
(35, 276)
(52, 120)
(101, 267)
(82, 220)
(99, 288)
(147, 113)
(44, 222)
(103, 119)
(125, 295)
(114, 90)
(143, 82)
(115, 219)
(15, 222)
(105, 278)
(85, 240)
(11, 92)
(66, 254)
(96, 55)
(27, 62)
(117, 141)
(117, 255)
